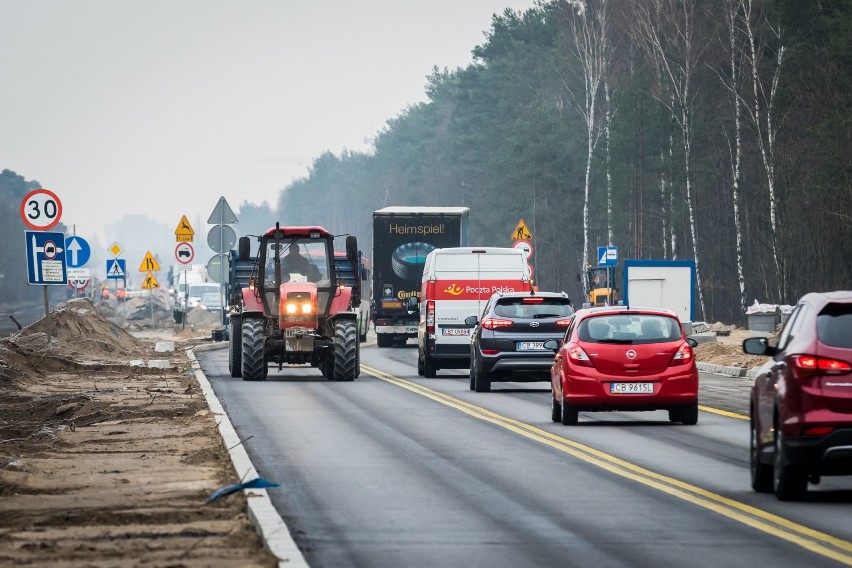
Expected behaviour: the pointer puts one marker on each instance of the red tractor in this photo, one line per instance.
(289, 305)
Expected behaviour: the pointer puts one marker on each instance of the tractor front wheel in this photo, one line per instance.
(253, 359)
(345, 351)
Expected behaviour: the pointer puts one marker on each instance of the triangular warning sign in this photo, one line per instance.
(184, 231)
(521, 232)
(150, 281)
(222, 214)
(148, 263)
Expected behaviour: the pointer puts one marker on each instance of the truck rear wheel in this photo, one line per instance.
(384, 339)
(430, 371)
(345, 351)
(253, 360)
(235, 347)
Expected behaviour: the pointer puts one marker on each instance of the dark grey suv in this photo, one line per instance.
(507, 342)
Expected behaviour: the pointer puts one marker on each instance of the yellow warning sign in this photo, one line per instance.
(150, 281)
(521, 232)
(148, 263)
(184, 231)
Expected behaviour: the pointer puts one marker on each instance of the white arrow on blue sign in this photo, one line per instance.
(116, 268)
(46, 258)
(77, 251)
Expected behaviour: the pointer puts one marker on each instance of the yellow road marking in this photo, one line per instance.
(808, 538)
(723, 412)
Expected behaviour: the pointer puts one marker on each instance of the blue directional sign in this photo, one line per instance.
(77, 252)
(46, 258)
(116, 268)
(607, 256)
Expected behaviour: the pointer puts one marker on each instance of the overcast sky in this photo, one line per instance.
(159, 107)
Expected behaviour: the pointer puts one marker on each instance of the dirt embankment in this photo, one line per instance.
(727, 349)
(107, 464)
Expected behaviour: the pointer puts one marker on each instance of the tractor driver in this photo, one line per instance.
(295, 263)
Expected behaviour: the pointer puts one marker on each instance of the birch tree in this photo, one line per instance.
(589, 26)
(766, 130)
(666, 30)
(733, 84)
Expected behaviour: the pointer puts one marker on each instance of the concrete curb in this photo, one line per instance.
(266, 520)
(730, 371)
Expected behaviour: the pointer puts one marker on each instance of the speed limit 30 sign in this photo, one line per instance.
(41, 210)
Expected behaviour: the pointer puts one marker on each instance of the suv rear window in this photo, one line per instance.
(533, 307)
(632, 328)
(834, 325)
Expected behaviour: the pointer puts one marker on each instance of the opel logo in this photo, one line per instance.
(631, 354)
(533, 324)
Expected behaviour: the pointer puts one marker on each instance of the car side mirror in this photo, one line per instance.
(471, 320)
(758, 346)
(692, 343)
(552, 344)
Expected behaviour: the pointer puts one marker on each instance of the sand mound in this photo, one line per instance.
(726, 354)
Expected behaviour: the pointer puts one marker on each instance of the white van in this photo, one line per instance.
(457, 282)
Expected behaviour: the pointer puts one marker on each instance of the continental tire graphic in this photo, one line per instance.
(407, 260)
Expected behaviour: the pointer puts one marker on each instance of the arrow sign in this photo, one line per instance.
(78, 251)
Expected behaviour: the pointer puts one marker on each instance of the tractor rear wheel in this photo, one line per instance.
(253, 360)
(345, 351)
(235, 347)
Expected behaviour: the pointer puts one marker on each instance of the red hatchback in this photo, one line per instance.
(801, 402)
(623, 358)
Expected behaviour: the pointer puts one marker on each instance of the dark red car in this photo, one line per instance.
(623, 358)
(801, 402)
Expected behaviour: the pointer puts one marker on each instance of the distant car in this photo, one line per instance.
(211, 301)
(801, 401)
(507, 342)
(197, 291)
(624, 358)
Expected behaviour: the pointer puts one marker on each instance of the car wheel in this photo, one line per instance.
(689, 414)
(555, 410)
(790, 482)
(473, 372)
(430, 371)
(570, 415)
(761, 473)
(482, 382)
(420, 369)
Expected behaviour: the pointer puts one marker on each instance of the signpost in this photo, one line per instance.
(221, 238)
(523, 240)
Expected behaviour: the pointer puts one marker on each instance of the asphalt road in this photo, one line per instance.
(397, 470)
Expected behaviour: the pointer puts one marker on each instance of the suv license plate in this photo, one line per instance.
(631, 388)
(455, 331)
(530, 345)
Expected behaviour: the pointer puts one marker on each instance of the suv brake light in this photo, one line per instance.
(810, 364)
(493, 323)
(563, 322)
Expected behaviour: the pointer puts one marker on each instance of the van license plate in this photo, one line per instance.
(455, 331)
(631, 388)
(530, 345)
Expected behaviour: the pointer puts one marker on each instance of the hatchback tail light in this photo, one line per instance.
(430, 316)
(683, 356)
(807, 365)
(494, 323)
(579, 357)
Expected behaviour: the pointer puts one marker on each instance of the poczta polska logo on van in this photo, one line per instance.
(453, 289)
